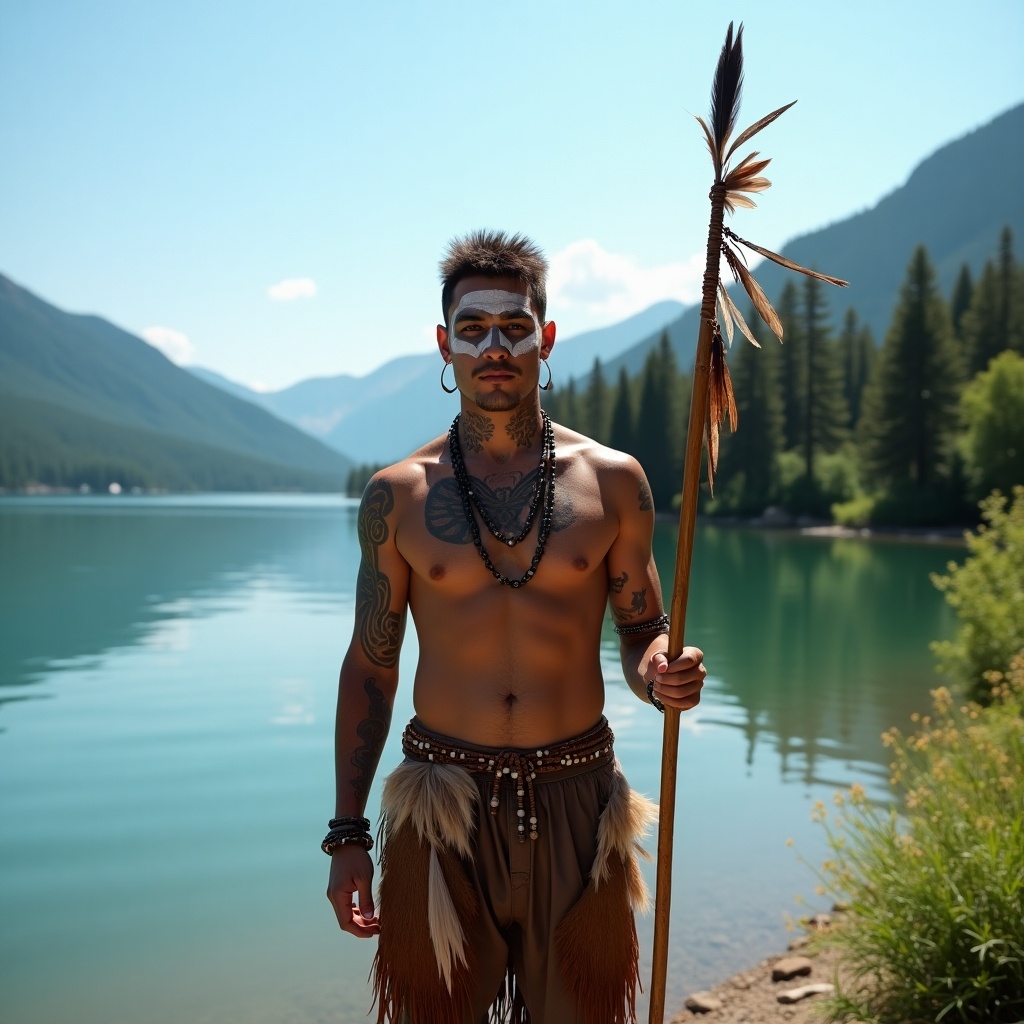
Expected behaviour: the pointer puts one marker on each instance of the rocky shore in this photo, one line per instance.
(784, 989)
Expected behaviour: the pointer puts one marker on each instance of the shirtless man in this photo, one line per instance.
(509, 874)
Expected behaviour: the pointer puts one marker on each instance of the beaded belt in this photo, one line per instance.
(522, 766)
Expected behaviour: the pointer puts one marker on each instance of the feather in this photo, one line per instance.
(734, 199)
(725, 94)
(446, 932)
(783, 262)
(749, 133)
(753, 289)
(736, 316)
(707, 134)
(724, 312)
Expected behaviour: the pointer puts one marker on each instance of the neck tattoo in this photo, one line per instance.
(545, 486)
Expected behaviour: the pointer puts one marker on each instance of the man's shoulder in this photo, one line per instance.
(405, 479)
(605, 461)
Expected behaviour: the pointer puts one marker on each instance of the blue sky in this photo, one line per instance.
(265, 188)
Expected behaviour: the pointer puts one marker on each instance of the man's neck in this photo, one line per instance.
(500, 436)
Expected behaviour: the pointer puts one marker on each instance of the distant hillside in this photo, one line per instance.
(955, 202)
(388, 413)
(78, 394)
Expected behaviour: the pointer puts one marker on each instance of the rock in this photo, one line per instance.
(791, 967)
(840, 907)
(820, 922)
(794, 995)
(702, 1002)
(774, 516)
(799, 943)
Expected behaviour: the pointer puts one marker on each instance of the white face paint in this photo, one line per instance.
(475, 307)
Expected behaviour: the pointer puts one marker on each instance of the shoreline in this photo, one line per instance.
(751, 996)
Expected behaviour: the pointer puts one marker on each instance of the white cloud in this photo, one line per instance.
(292, 288)
(172, 343)
(586, 277)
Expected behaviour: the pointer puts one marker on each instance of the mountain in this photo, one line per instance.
(82, 401)
(357, 415)
(955, 202)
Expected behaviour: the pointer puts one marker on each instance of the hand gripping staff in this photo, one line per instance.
(711, 402)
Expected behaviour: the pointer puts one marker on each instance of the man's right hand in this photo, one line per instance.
(352, 875)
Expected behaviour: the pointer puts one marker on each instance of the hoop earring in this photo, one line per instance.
(444, 388)
(548, 386)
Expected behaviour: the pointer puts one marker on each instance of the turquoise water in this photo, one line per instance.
(167, 681)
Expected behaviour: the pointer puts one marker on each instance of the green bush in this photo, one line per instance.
(987, 592)
(936, 894)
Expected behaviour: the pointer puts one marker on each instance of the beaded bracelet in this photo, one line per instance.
(661, 622)
(336, 838)
(347, 819)
(654, 700)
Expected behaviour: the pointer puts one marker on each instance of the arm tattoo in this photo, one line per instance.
(521, 427)
(646, 500)
(637, 607)
(372, 730)
(476, 429)
(616, 583)
(379, 627)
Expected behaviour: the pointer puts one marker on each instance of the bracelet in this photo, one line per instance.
(654, 700)
(336, 838)
(661, 622)
(362, 823)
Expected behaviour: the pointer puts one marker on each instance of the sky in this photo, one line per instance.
(265, 188)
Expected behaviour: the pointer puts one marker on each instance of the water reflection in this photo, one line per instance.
(84, 577)
(817, 645)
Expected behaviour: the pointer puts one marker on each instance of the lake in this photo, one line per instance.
(168, 670)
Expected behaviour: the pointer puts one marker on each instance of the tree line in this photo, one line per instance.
(913, 432)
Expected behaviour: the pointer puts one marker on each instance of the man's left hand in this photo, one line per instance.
(677, 683)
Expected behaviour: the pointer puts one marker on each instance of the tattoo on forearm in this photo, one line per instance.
(373, 731)
(522, 427)
(379, 628)
(646, 500)
(475, 430)
(616, 583)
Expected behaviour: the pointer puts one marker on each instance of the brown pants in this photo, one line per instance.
(547, 933)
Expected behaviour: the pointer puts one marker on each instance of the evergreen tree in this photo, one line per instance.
(622, 434)
(857, 357)
(910, 407)
(961, 300)
(995, 320)
(571, 406)
(791, 366)
(595, 402)
(825, 414)
(748, 467)
(657, 424)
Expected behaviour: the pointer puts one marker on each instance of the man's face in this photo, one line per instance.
(495, 341)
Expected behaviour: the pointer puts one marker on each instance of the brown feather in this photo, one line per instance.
(736, 316)
(783, 262)
(725, 313)
(749, 133)
(757, 295)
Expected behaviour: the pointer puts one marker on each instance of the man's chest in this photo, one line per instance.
(445, 535)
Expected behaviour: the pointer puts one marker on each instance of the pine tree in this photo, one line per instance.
(909, 415)
(857, 357)
(657, 442)
(825, 414)
(995, 320)
(595, 404)
(748, 457)
(622, 434)
(571, 406)
(791, 366)
(961, 300)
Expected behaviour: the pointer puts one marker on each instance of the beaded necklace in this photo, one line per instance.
(545, 486)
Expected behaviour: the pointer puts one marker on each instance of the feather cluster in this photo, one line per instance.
(735, 185)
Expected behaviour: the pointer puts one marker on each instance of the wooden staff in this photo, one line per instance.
(711, 401)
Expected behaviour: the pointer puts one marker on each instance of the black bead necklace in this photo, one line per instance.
(545, 485)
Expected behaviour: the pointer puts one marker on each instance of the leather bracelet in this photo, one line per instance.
(363, 824)
(333, 840)
(654, 700)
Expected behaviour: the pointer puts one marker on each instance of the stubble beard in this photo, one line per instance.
(497, 401)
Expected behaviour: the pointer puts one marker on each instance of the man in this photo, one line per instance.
(509, 872)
